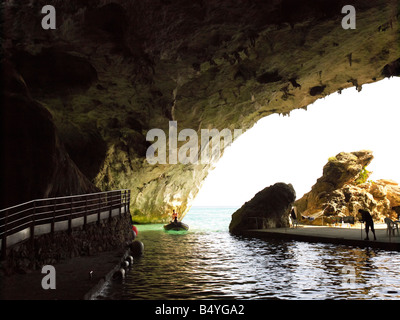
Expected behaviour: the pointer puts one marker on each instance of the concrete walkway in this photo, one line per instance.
(338, 235)
(73, 281)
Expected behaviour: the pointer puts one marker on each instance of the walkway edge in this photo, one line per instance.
(268, 234)
(92, 293)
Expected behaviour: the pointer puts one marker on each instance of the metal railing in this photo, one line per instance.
(42, 216)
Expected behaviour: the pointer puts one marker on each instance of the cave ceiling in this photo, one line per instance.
(113, 70)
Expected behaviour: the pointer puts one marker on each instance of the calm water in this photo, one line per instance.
(208, 263)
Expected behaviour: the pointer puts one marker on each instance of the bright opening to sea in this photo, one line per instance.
(207, 262)
(293, 149)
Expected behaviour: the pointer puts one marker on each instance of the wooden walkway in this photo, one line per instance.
(336, 235)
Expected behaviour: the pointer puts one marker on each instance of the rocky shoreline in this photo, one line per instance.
(335, 198)
(344, 188)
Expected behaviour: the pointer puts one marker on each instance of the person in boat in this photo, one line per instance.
(369, 223)
(174, 216)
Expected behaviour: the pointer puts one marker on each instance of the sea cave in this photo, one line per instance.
(79, 100)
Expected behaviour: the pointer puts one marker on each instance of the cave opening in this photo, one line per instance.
(293, 149)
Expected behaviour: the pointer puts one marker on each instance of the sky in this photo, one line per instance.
(293, 149)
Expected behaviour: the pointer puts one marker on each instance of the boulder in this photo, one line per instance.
(344, 188)
(341, 170)
(269, 208)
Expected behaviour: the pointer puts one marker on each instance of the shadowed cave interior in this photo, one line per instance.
(79, 100)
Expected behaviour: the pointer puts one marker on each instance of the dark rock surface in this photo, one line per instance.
(113, 70)
(34, 162)
(269, 208)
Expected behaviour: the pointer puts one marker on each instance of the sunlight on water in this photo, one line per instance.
(207, 262)
(215, 219)
(200, 219)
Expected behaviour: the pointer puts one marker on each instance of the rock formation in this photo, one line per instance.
(269, 208)
(113, 70)
(344, 188)
(34, 162)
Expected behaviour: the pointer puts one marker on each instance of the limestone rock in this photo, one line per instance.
(340, 192)
(269, 208)
(378, 191)
(113, 70)
(343, 168)
(393, 195)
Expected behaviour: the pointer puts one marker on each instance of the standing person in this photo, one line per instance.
(293, 217)
(174, 216)
(366, 217)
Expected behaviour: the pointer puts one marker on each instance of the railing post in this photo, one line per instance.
(99, 209)
(109, 203)
(120, 202)
(85, 214)
(54, 216)
(70, 216)
(129, 201)
(4, 238)
(125, 199)
(32, 228)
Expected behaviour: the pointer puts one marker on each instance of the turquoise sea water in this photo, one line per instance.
(207, 262)
(201, 219)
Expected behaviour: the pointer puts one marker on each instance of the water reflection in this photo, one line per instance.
(217, 265)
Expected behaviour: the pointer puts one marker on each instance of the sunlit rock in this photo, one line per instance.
(344, 188)
(110, 72)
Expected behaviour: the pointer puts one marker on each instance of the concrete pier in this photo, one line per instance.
(353, 236)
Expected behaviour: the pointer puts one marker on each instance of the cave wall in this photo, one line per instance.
(113, 70)
(34, 161)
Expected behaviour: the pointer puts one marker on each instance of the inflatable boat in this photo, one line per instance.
(177, 226)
